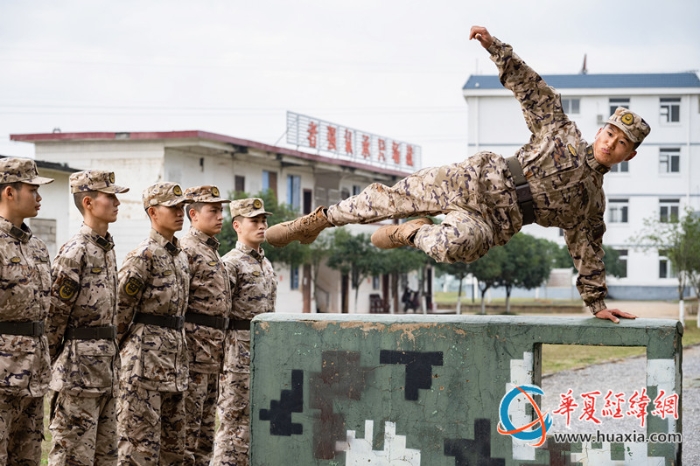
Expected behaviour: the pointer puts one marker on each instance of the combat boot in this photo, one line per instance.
(394, 236)
(305, 229)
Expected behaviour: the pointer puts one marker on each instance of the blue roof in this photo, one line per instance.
(597, 81)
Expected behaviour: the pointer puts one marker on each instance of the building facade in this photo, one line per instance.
(191, 158)
(661, 182)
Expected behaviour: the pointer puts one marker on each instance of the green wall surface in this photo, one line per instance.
(426, 390)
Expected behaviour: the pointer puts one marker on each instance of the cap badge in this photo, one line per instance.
(215, 191)
(111, 177)
(257, 204)
(627, 119)
(177, 191)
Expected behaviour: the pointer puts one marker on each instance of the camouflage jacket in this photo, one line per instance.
(84, 294)
(253, 282)
(565, 179)
(25, 283)
(210, 294)
(153, 279)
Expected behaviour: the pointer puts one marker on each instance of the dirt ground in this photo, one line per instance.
(646, 309)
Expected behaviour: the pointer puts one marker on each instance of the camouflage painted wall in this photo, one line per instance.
(425, 390)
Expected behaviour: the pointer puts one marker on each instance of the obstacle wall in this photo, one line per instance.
(431, 390)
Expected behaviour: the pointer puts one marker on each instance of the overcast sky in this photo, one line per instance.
(391, 67)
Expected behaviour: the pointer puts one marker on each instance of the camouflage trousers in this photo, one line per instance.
(21, 430)
(151, 427)
(233, 437)
(477, 196)
(84, 430)
(200, 411)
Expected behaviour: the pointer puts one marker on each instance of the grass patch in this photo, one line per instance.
(450, 297)
(557, 358)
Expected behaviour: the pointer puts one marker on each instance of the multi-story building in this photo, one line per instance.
(659, 183)
(190, 158)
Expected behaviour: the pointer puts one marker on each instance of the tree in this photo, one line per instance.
(459, 270)
(354, 256)
(488, 270)
(526, 264)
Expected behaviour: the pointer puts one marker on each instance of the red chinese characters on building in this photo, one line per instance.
(366, 146)
(396, 152)
(331, 138)
(381, 149)
(312, 134)
(348, 142)
(409, 155)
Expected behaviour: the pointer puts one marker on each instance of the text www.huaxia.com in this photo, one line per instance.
(633, 437)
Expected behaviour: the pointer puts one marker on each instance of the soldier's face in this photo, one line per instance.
(611, 146)
(209, 219)
(168, 220)
(26, 200)
(251, 231)
(104, 207)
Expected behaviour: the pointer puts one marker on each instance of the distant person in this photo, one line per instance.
(154, 282)
(24, 305)
(253, 292)
(82, 330)
(206, 320)
(556, 179)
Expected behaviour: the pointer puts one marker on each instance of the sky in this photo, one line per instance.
(390, 67)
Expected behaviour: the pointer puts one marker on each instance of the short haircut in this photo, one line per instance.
(78, 199)
(17, 185)
(197, 206)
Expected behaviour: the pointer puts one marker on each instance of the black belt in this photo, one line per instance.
(522, 190)
(239, 324)
(176, 322)
(217, 322)
(107, 332)
(29, 329)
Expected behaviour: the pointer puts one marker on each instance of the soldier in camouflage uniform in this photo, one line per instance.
(558, 176)
(25, 283)
(206, 320)
(253, 291)
(153, 287)
(82, 332)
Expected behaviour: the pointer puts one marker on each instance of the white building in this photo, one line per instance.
(662, 180)
(191, 158)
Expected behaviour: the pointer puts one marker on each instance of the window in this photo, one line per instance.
(668, 210)
(622, 259)
(294, 278)
(294, 191)
(308, 201)
(571, 106)
(269, 182)
(619, 102)
(356, 190)
(670, 110)
(669, 160)
(239, 184)
(375, 282)
(618, 210)
(665, 266)
(622, 167)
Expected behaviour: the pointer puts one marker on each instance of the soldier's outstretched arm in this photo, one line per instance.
(481, 34)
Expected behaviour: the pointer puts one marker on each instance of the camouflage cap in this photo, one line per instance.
(94, 180)
(166, 194)
(248, 208)
(13, 170)
(204, 193)
(634, 126)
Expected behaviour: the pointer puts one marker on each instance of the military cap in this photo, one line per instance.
(204, 193)
(634, 126)
(94, 180)
(166, 194)
(14, 170)
(248, 208)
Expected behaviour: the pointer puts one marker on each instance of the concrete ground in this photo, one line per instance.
(643, 309)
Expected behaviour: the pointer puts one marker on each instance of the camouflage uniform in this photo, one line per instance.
(205, 326)
(82, 345)
(25, 281)
(253, 291)
(479, 198)
(153, 288)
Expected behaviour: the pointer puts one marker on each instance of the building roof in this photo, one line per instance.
(59, 167)
(598, 81)
(236, 143)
